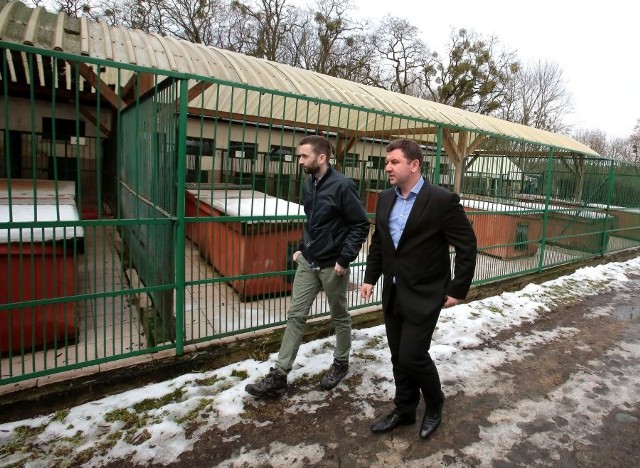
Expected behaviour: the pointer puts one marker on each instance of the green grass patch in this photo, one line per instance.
(376, 342)
(137, 438)
(365, 357)
(60, 416)
(155, 403)
(23, 440)
(241, 374)
(130, 420)
(195, 412)
(209, 381)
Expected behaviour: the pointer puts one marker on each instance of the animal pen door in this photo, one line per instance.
(147, 185)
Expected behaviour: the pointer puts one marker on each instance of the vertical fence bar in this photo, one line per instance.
(180, 221)
(545, 215)
(605, 234)
(436, 173)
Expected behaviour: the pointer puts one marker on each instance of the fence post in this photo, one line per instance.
(605, 233)
(545, 214)
(436, 172)
(180, 213)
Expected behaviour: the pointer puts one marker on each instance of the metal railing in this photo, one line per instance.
(141, 218)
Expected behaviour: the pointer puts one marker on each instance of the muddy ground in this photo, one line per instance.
(473, 432)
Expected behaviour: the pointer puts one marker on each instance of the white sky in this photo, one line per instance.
(464, 364)
(594, 42)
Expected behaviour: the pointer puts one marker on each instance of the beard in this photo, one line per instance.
(311, 169)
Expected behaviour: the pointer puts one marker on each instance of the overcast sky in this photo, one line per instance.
(594, 42)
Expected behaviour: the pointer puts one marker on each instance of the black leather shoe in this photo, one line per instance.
(393, 420)
(430, 422)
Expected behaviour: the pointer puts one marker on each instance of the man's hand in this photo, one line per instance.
(295, 255)
(340, 270)
(366, 290)
(450, 301)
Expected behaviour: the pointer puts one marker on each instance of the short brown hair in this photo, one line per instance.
(410, 148)
(319, 144)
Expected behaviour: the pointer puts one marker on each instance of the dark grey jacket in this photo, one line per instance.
(337, 223)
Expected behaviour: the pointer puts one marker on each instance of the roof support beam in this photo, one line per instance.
(195, 91)
(198, 89)
(91, 118)
(457, 152)
(88, 74)
(475, 144)
(138, 84)
(342, 149)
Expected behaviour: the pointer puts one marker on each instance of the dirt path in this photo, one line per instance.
(572, 401)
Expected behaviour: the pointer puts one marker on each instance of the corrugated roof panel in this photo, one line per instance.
(105, 39)
(32, 24)
(245, 71)
(13, 20)
(145, 52)
(58, 31)
(284, 76)
(308, 83)
(122, 49)
(200, 62)
(266, 75)
(71, 39)
(84, 36)
(428, 110)
(128, 42)
(164, 56)
(99, 40)
(418, 107)
(219, 64)
(184, 54)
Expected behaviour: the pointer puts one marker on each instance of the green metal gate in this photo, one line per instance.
(147, 190)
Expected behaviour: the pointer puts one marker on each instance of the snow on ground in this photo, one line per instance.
(150, 423)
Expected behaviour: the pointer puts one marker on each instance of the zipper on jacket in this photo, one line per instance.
(314, 183)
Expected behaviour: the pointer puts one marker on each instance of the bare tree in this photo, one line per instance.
(624, 149)
(134, 14)
(537, 97)
(474, 75)
(403, 54)
(73, 8)
(332, 25)
(34, 3)
(330, 42)
(191, 20)
(270, 25)
(634, 143)
(363, 66)
(620, 149)
(594, 139)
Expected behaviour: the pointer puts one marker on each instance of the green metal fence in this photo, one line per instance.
(144, 210)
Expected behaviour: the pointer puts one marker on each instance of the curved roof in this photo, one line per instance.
(40, 28)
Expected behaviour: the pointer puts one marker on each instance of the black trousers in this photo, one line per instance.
(413, 369)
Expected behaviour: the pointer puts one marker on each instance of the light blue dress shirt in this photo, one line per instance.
(401, 210)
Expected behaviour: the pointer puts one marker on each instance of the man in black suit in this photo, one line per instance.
(416, 222)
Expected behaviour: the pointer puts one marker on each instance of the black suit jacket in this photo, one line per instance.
(421, 263)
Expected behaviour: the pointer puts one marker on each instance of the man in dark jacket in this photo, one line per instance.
(416, 222)
(335, 230)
